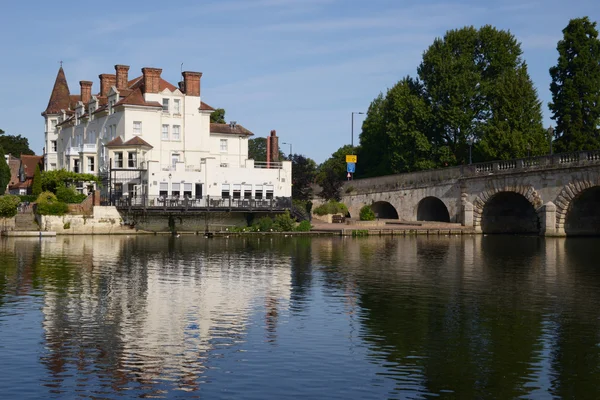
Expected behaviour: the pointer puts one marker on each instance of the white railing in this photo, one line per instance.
(272, 164)
(88, 147)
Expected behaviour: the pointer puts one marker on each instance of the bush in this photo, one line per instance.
(304, 226)
(265, 224)
(284, 223)
(28, 198)
(367, 214)
(48, 204)
(8, 205)
(331, 207)
(69, 195)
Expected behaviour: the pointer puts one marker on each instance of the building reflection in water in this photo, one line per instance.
(151, 310)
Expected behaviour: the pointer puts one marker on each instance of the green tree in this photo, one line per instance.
(51, 180)
(463, 75)
(257, 149)
(36, 188)
(15, 145)
(4, 173)
(332, 173)
(304, 171)
(393, 138)
(218, 116)
(575, 87)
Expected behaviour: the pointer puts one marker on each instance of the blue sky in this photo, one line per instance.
(298, 66)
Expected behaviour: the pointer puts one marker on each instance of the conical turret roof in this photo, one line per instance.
(60, 98)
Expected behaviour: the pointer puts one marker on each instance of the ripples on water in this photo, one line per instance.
(269, 318)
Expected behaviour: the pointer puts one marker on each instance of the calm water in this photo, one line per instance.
(323, 318)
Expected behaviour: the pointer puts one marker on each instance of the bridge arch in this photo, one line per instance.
(384, 210)
(508, 209)
(578, 208)
(432, 209)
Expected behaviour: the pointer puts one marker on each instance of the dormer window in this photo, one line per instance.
(165, 105)
(111, 105)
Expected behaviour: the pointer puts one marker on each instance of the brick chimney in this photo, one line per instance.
(106, 82)
(274, 148)
(86, 91)
(151, 79)
(191, 83)
(122, 76)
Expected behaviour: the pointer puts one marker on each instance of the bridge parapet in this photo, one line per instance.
(445, 175)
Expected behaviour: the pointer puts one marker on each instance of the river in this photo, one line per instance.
(110, 317)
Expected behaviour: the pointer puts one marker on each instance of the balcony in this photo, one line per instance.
(72, 151)
(88, 148)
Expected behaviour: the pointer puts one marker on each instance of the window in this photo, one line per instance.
(269, 191)
(132, 190)
(176, 132)
(163, 189)
(165, 105)
(223, 145)
(132, 160)
(92, 137)
(90, 164)
(175, 189)
(247, 191)
(165, 132)
(53, 124)
(187, 190)
(176, 106)
(225, 190)
(237, 189)
(137, 127)
(198, 193)
(118, 190)
(258, 192)
(118, 159)
(53, 145)
(174, 160)
(224, 165)
(111, 105)
(76, 165)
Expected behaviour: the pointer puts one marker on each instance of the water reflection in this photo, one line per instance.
(414, 317)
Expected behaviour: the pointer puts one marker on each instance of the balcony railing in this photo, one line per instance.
(88, 148)
(264, 164)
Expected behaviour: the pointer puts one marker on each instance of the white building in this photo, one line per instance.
(153, 139)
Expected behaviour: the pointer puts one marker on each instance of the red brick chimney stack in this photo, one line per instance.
(122, 76)
(191, 83)
(86, 91)
(151, 79)
(106, 82)
(274, 148)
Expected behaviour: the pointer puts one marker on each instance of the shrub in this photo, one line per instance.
(284, 223)
(367, 214)
(69, 195)
(331, 207)
(304, 226)
(27, 197)
(265, 224)
(48, 204)
(8, 205)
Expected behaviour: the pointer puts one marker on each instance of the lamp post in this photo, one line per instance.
(289, 144)
(551, 137)
(470, 142)
(352, 131)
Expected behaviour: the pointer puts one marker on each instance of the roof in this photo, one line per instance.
(29, 163)
(204, 106)
(162, 84)
(14, 164)
(137, 98)
(136, 141)
(60, 98)
(229, 129)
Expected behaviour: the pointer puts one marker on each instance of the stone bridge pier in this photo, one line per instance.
(557, 195)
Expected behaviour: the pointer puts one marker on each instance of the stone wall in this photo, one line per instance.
(104, 220)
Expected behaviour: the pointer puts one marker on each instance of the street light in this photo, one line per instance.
(551, 136)
(290, 148)
(470, 142)
(352, 131)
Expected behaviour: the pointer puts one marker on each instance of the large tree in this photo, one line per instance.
(218, 116)
(257, 149)
(4, 172)
(15, 145)
(332, 173)
(393, 138)
(304, 171)
(466, 75)
(575, 87)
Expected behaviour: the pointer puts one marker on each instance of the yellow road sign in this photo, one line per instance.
(351, 158)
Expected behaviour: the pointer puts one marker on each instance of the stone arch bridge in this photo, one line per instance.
(553, 195)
